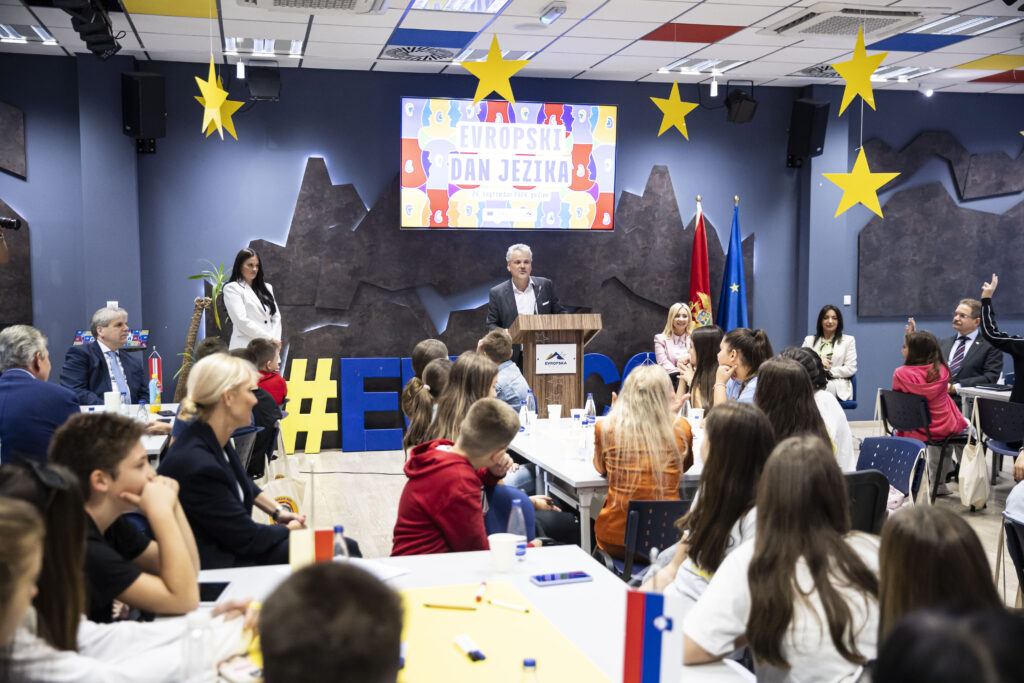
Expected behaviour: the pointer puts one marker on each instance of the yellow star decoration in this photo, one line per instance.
(494, 73)
(216, 106)
(674, 111)
(860, 186)
(857, 74)
(734, 287)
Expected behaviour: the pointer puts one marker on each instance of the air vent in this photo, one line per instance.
(418, 53)
(882, 74)
(846, 20)
(320, 6)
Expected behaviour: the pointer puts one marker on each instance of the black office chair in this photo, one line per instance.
(649, 524)
(243, 439)
(900, 459)
(1002, 423)
(852, 403)
(869, 493)
(909, 412)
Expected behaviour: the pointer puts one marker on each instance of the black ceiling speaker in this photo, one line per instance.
(90, 20)
(264, 81)
(741, 106)
(807, 126)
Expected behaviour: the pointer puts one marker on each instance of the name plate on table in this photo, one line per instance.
(556, 359)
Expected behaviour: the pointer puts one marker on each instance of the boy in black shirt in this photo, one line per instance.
(122, 563)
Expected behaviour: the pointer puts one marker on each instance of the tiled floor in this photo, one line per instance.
(361, 491)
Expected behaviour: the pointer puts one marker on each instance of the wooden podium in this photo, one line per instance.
(564, 388)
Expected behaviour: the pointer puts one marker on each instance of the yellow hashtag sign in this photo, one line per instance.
(317, 420)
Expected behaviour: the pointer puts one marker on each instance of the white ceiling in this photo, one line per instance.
(595, 39)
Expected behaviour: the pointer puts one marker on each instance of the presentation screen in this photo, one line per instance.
(499, 165)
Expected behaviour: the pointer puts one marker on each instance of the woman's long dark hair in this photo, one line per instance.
(470, 379)
(923, 349)
(706, 341)
(60, 602)
(803, 513)
(420, 405)
(258, 285)
(753, 346)
(819, 330)
(740, 440)
(959, 573)
(785, 394)
(811, 362)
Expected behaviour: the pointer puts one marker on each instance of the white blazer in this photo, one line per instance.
(250, 319)
(844, 365)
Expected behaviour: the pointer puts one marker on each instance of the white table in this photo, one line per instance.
(591, 615)
(151, 442)
(978, 392)
(554, 447)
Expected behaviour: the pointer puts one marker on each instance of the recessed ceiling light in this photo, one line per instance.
(295, 51)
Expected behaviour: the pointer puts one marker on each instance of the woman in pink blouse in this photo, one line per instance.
(672, 346)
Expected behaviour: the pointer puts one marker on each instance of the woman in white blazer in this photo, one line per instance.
(838, 351)
(250, 303)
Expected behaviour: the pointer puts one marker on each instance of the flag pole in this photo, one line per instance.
(735, 200)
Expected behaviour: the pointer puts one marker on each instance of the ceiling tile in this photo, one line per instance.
(763, 68)
(548, 73)
(11, 14)
(351, 64)
(165, 42)
(148, 23)
(995, 8)
(230, 9)
(728, 14)
(430, 38)
(35, 49)
(660, 48)
(982, 45)
(576, 9)
(1014, 76)
(969, 87)
(178, 8)
(508, 25)
(195, 57)
(691, 33)
(263, 29)
(628, 63)
(589, 46)
(809, 55)
(389, 18)
(343, 50)
(751, 36)
(914, 42)
(659, 11)
(327, 33)
(612, 29)
(688, 95)
(1012, 90)
(71, 40)
(962, 75)
(748, 52)
(932, 59)
(512, 41)
(599, 75)
(408, 67)
(995, 63)
(563, 60)
(445, 21)
(792, 82)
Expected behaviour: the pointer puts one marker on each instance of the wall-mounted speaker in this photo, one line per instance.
(807, 126)
(143, 109)
(741, 106)
(264, 81)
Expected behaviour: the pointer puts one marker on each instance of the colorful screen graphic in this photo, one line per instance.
(502, 165)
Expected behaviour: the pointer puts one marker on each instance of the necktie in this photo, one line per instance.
(958, 357)
(115, 367)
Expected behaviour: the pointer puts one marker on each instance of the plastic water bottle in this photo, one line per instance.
(142, 414)
(590, 411)
(530, 671)
(517, 526)
(531, 410)
(340, 546)
(126, 407)
(523, 416)
(196, 663)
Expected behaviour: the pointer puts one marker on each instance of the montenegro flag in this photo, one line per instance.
(700, 281)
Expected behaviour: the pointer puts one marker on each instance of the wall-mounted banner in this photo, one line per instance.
(503, 165)
(556, 359)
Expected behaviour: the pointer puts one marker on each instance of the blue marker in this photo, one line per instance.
(469, 648)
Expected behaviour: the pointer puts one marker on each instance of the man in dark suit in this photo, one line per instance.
(522, 294)
(31, 408)
(92, 369)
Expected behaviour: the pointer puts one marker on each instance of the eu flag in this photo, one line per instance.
(732, 303)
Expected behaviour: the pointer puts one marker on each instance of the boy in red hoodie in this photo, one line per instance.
(268, 362)
(441, 508)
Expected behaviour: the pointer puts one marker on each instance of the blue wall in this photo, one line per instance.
(200, 198)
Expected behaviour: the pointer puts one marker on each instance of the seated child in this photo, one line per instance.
(331, 623)
(267, 360)
(113, 470)
(441, 509)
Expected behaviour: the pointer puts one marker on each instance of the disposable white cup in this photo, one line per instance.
(503, 551)
(111, 402)
(554, 411)
(301, 549)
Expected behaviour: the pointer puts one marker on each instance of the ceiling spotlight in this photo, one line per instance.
(552, 13)
(240, 70)
(714, 86)
(928, 92)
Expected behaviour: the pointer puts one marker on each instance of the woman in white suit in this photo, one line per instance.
(838, 351)
(250, 303)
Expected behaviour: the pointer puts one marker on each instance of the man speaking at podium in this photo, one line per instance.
(522, 294)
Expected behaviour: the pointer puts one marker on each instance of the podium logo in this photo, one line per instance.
(556, 360)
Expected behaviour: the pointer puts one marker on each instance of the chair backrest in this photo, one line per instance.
(651, 524)
(243, 439)
(1015, 544)
(851, 404)
(869, 493)
(499, 507)
(636, 361)
(900, 459)
(1001, 420)
(905, 412)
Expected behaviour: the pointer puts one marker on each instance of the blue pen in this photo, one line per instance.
(469, 648)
